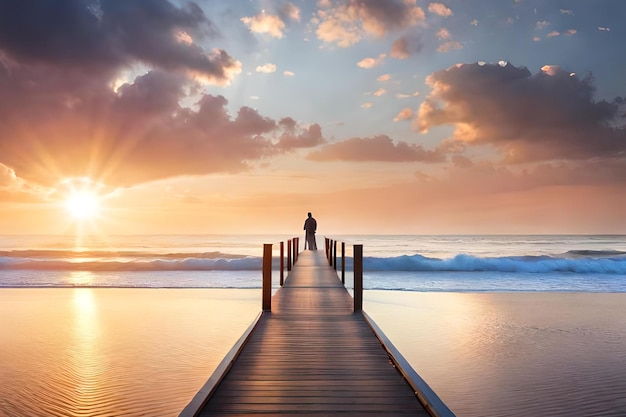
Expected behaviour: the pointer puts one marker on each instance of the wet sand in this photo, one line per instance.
(130, 352)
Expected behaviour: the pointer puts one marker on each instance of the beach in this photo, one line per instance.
(146, 351)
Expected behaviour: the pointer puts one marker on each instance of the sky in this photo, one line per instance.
(379, 117)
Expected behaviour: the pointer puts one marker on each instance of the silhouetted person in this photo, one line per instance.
(310, 225)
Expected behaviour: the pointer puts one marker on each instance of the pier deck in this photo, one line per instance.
(312, 356)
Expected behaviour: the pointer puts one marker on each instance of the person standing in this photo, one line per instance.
(310, 226)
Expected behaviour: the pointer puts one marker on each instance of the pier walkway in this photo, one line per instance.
(312, 355)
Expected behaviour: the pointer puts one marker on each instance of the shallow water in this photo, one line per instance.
(132, 352)
(114, 352)
(513, 354)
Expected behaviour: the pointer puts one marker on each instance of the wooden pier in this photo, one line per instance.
(312, 352)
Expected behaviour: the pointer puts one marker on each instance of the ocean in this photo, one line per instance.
(134, 325)
(402, 263)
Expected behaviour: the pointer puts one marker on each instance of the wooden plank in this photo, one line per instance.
(313, 355)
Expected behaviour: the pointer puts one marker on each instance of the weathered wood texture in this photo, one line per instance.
(313, 356)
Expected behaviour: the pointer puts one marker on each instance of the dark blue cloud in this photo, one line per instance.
(107, 34)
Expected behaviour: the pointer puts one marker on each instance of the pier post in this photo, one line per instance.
(330, 252)
(289, 255)
(267, 277)
(358, 278)
(296, 250)
(326, 246)
(343, 263)
(335, 256)
(282, 262)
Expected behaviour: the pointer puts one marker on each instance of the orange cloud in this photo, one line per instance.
(378, 148)
(265, 24)
(405, 114)
(345, 22)
(548, 116)
(443, 33)
(440, 9)
(449, 46)
(139, 133)
(266, 68)
(368, 63)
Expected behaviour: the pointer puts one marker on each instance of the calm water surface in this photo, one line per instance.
(132, 352)
(114, 352)
(513, 354)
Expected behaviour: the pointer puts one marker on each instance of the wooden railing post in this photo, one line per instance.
(330, 252)
(335, 256)
(326, 246)
(289, 255)
(282, 263)
(343, 263)
(267, 277)
(297, 248)
(358, 277)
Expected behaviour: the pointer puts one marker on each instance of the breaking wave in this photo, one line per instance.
(609, 263)
(576, 261)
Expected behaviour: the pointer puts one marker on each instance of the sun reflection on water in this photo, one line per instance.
(81, 278)
(85, 357)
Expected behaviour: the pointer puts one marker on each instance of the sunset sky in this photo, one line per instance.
(396, 116)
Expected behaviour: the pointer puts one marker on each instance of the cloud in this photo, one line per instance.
(15, 189)
(266, 68)
(449, 46)
(378, 148)
(439, 9)
(288, 73)
(405, 114)
(567, 12)
(367, 105)
(368, 63)
(265, 24)
(111, 34)
(295, 137)
(290, 11)
(604, 29)
(553, 34)
(547, 116)
(570, 32)
(406, 46)
(346, 22)
(64, 122)
(443, 34)
(542, 24)
(551, 69)
(384, 78)
(405, 95)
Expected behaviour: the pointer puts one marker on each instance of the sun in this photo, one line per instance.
(82, 199)
(82, 205)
